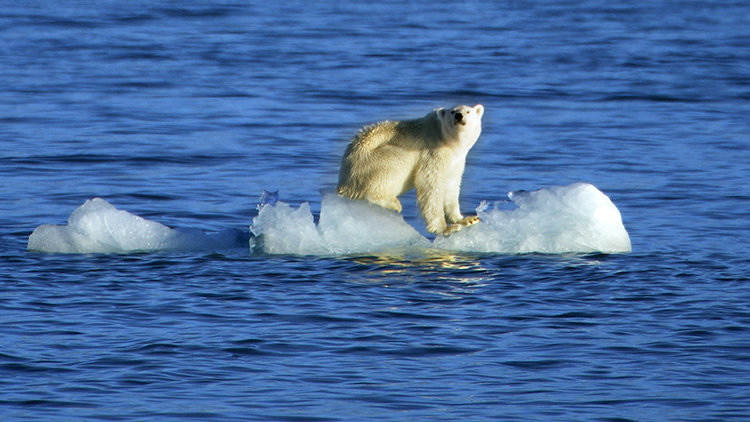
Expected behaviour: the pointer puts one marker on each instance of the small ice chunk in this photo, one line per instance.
(99, 227)
(281, 229)
(345, 227)
(575, 218)
(349, 226)
(267, 198)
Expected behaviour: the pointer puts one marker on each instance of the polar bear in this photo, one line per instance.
(387, 159)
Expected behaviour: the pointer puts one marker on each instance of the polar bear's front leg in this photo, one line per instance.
(452, 210)
(431, 205)
(453, 213)
(452, 189)
(454, 217)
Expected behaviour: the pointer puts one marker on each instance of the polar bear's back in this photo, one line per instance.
(409, 134)
(376, 165)
(380, 160)
(372, 136)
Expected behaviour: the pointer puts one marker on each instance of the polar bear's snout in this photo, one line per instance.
(459, 118)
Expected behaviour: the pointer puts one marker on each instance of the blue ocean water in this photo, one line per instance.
(185, 112)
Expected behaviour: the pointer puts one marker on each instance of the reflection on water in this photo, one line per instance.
(430, 259)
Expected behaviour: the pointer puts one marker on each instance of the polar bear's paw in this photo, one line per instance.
(469, 221)
(464, 222)
(452, 228)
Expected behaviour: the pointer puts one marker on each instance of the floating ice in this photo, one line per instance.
(98, 227)
(284, 230)
(345, 227)
(575, 218)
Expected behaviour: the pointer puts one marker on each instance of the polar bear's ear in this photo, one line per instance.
(479, 110)
(441, 112)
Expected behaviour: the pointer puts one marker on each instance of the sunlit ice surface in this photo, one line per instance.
(98, 227)
(563, 219)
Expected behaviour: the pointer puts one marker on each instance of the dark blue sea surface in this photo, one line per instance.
(185, 112)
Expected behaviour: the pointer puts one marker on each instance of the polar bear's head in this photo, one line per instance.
(462, 122)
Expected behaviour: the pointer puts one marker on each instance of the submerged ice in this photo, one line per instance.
(564, 219)
(99, 227)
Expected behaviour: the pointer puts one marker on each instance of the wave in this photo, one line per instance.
(577, 218)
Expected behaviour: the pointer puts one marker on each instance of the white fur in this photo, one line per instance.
(387, 159)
